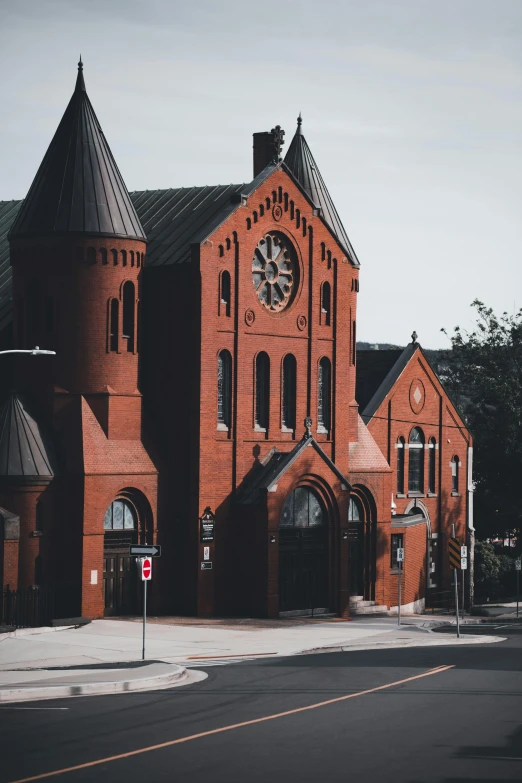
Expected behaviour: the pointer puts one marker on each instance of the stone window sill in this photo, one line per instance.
(400, 495)
(222, 427)
(455, 494)
(416, 495)
(432, 494)
(36, 533)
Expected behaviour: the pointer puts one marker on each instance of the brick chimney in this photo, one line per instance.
(267, 148)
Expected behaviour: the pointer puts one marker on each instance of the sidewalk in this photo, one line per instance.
(105, 656)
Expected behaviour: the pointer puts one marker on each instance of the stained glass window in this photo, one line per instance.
(416, 461)
(120, 516)
(302, 508)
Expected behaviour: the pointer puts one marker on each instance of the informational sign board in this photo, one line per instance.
(206, 566)
(146, 569)
(463, 563)
(518, 565)
(463, 551)
(206, 553)
(454, 552)
(206, 530)
(400, 555)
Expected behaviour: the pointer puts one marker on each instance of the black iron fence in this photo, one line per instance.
(31, 607)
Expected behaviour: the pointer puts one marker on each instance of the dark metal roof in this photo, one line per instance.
(301, 164)
(376, 373)
(24, 451)
(8, 212)
(78, 187)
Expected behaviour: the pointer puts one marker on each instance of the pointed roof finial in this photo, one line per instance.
(299, 123)
(80, 83)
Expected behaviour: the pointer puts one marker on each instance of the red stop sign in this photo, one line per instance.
(146, 568)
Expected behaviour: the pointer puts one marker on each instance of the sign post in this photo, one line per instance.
(454, 559)
(400, 561)
(463, 567)
(518, 567)
(145, 566)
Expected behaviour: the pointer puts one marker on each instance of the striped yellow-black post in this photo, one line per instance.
(454, 559)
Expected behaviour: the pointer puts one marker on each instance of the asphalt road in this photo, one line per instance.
(458, 724)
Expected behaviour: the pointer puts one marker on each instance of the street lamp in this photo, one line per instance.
(36, 351)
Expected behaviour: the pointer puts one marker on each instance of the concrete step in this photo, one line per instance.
(372, 609)
(361, 603)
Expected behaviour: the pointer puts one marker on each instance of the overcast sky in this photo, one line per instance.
(412, 109)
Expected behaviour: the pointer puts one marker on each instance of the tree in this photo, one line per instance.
(483, 372)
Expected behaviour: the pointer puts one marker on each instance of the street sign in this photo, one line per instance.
(207, 566)
(146, 569)
(454, 552)
(463, 551)
(518, 565)
(145, 550)
(400, 554)
(463, 563)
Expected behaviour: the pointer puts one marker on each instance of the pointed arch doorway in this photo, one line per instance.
(303, 554)
(361, 547)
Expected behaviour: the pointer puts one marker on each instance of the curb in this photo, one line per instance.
(93, 688)
(35, 631)
(444, 642)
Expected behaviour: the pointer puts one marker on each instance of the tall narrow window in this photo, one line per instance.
(131, 254)
(103, 254)
(224, 387)
(128, 314)
(400, 466)
(455, 474)
(324, 395)
(431, 464)
(289, 392)
(262, 391)
(114, 257)
(224, 308)
(91, 255)
(325, 304)
(113, 325)
(354, 342)
(124, 258)
(416, 461)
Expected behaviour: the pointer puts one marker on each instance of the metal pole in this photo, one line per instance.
(399, 605)
(463, 575)
(144, 616)
(518, 579)
(456, 589)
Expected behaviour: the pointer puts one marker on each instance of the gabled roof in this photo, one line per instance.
(78, 187)
(376, 373)
(24, 451)
(275, 465)
(300, 162)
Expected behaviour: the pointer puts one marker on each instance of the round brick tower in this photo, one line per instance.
(77, 252)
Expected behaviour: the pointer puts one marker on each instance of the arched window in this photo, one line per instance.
(289, 392)
(91, 255)
(221, 251)
(400, 466)
(224, 390)
(255, 216)
(224, 298)
(131, 254)
(114, 324)
(39, 519)
(455, 464)
(302, 508)
(139, 259)
(325, 303)
(248, 224)
(431, 464)
(114, 257)
(355, 510)
(323, 251)
(298, 218)
(128, 314)
(227, 243)
(267, 202)
(416, 461)
(324, 383)
(286, 201)
(124, 258)
(262, 391)
(354, 342)
(103, 254)
(120, 516)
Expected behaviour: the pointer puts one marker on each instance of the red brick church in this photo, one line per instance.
(207, 395)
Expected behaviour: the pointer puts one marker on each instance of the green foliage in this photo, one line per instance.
(483, 372)
(487, 572)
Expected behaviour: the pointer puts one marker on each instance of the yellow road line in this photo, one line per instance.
(437, 670)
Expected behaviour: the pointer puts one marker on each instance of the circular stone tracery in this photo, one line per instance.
(274, 272)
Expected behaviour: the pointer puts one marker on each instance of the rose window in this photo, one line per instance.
(274, 272)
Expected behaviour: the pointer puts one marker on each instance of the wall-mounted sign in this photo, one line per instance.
(206, 566)
(206, 553)
(206, 526)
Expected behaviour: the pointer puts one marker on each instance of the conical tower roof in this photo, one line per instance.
(78, 187)
(24, 453)
(301, 164)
